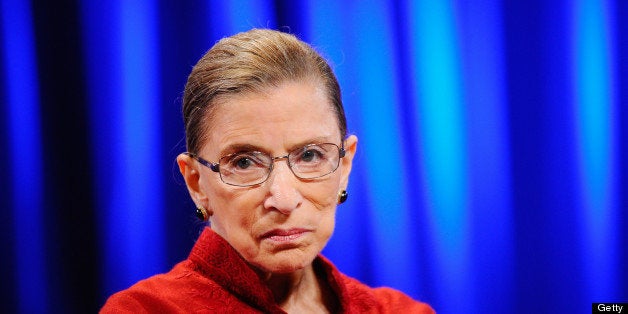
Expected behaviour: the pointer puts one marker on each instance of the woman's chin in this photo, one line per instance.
(285, 263)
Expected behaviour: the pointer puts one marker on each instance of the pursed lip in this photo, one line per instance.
(285, 235)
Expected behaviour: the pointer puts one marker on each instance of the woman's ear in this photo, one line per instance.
(351, 145)
(190, 172)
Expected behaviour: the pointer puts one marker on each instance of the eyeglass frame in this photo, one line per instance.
(215, 167)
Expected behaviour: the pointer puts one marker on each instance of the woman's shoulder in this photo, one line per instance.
(394, 301)
(357, 297)
(180, 290)
(380, 300)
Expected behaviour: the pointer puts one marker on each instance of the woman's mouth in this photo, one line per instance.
(285, 235)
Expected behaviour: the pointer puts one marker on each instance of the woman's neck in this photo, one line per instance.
(300, 291)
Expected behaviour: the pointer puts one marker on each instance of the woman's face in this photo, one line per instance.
(280, 225)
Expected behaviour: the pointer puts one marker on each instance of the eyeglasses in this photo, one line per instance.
(252, 168)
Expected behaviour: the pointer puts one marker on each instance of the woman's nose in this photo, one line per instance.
(283, 193)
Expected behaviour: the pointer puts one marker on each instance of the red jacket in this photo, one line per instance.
(215, 278)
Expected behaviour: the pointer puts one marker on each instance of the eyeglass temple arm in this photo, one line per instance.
(214, 167)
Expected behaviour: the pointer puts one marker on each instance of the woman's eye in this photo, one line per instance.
(311, 155)
(243, 162)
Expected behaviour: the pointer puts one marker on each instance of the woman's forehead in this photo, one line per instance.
(291, 114)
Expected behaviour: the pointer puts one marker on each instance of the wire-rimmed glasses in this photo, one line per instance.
(250, 168)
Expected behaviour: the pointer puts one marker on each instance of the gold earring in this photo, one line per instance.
(342, 196)
(201, 213)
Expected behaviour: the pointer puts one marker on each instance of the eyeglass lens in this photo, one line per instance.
(251, 168)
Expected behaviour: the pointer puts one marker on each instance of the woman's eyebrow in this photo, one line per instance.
(240, 147)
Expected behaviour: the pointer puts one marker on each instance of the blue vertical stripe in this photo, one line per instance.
(375, 60)
(142, 200)
(480, 28)
(596, 128)
(20, 64)
(440, 118)
(123, 70)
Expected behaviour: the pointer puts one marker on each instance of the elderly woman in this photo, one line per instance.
(268, 160)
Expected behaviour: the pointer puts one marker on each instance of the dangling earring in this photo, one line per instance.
(342, 196)
(201, 213)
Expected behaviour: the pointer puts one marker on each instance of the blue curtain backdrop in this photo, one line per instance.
(491, 175)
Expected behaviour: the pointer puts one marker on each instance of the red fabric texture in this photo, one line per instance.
(215, 278)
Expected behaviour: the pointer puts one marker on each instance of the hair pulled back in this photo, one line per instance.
(251, 62)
